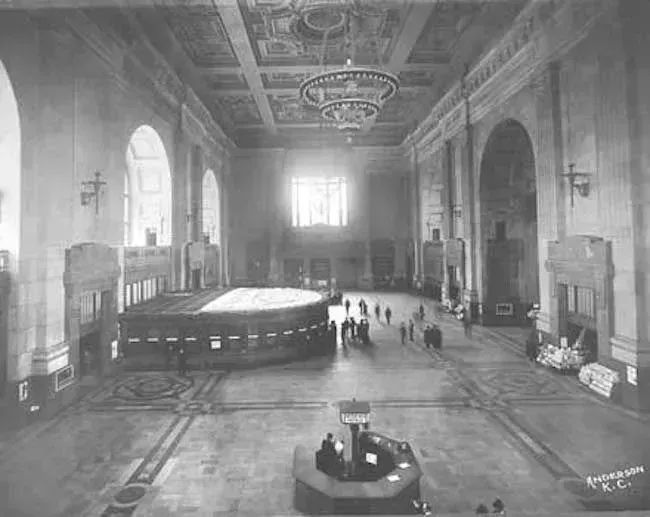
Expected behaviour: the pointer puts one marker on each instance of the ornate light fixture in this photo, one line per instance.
(352, 96)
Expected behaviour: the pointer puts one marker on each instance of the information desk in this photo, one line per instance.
(220, 329)
(393, 493)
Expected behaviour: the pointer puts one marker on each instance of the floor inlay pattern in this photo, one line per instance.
(126, 500)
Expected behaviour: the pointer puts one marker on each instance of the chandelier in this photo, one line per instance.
(352, 96)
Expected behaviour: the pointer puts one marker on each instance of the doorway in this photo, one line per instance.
(508, 219)
(90, 354)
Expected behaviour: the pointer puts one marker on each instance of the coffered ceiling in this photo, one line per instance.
(246, 58)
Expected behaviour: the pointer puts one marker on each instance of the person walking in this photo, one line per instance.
(347, 307)
(388, 313)
(344, 330)
(421, 312)
(427, 336)
(467, 323)
(402, 332)
(353, 328)
(411, 330)
(378, 311)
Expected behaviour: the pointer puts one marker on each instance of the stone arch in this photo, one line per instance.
(10, 168)
(211, 218)
(147, 190)
(508, 221)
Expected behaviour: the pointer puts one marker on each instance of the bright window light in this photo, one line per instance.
(319, 201)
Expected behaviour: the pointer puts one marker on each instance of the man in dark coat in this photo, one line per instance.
(427, 336)
(378, 311)
(411, 330)
(182, 361)
(436, 337)
(388, 313)
(347, 306)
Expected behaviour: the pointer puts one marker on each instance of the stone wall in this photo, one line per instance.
(81, 94)
(261, 207)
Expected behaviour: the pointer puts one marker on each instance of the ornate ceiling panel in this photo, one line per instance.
(288, 108)
(226, 81)
(241, 109)
(278, 38)
(283, 79)
(199, 29)
(251, 56)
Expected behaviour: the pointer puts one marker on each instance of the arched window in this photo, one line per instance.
(147, 191)
(211, 207)
(10, 188)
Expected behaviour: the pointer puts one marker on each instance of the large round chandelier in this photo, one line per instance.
(352, 96)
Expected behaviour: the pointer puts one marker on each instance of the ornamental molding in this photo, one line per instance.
(543, 31)
(139, 68)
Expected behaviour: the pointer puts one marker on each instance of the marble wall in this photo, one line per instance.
(78, 106)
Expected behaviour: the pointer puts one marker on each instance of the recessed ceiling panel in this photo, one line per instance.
(200, 31)
(242, 109)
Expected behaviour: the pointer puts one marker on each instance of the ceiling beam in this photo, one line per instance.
(233, 23)
(416, 20)
(314, 69)
(300, 125)
(294, 90)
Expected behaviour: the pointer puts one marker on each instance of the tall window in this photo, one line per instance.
(319, 201)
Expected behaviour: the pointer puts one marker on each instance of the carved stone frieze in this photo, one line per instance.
(519, 41)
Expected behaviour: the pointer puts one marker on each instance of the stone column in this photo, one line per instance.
(181, 199)
(277, 201)
(366, 278)
(449, 202)
(470, 295)
(551, 219)
(417, 210)
(226, 189)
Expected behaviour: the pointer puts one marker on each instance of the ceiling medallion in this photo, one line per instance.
(350, 97)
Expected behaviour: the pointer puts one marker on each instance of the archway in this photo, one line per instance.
(10, 187)
(508, 199)
(211, 206)
(147, 191)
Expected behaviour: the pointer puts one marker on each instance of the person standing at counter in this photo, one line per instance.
(333, 331)
(182, 362)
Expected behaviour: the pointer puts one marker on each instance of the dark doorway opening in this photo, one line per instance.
(508, 199)
(90, 354)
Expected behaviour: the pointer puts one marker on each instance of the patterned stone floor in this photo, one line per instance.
(483, 422)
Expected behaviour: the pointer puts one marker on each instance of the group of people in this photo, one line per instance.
(387, 313)
(433, 336)
(498, 508)
(181, 359)
(329, 458)
(355, 330)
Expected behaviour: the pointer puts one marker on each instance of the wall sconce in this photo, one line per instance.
(578, 181)
(90, 190)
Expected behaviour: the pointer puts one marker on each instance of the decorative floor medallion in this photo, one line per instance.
(152, 387)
